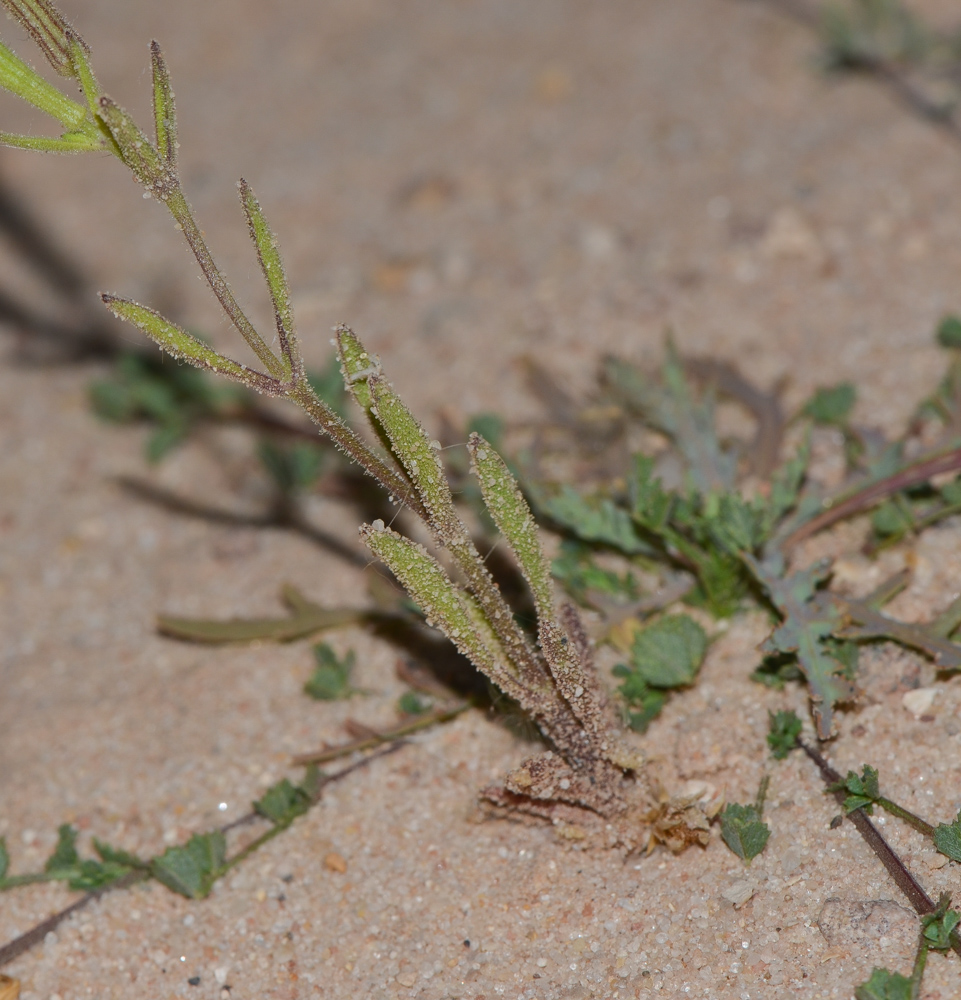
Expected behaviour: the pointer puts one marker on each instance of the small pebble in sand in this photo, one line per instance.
(739, 892)
(918, 702)
(335, 863)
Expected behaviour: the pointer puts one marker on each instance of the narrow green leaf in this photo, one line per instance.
(164, 108)
(69, 142)
(298, 626)
(49, 29)
(431, 588)
(193, 868)
(743, 830)
(357, 365)
(514, 520)
(273, 270)
(418, 455)
(4, 858)
(136, 150)
(180, 344)
(80, 56)
(20, 79)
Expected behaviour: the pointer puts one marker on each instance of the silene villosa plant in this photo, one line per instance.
(589, 772)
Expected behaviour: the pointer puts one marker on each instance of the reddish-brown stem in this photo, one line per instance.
(917, 472)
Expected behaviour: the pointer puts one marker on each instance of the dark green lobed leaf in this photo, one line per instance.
(831, 406)
(669, 652)
(884, 985)
(783, 730)
(283, 802)
(947, 838)
(330, 680)
(192, 869)
(65, 853)
(743, 830)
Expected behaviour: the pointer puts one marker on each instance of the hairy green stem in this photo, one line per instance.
(180, 210)
(909, 817)
(355, 447)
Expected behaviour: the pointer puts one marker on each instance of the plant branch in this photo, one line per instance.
(19, 945)
(865, 497)
(378, 739)
(896, 868)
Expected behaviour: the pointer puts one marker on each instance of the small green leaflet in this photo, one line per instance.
(86, 874)
(669, 652)
(947, 838)
(330, 680)
(64, 855)
(743, 830)
(283, 803)
(666, 654)
(411, 703)
(174, 398)
(949, 332)
(862, 790)
(191, 870)
(884, 985)
(783, 730)
(937, 927)
(637, 694)
(831, 406)
(4, 858)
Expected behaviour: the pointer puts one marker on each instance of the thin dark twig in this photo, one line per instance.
(15, 948)
(19, 945)
(918, 472)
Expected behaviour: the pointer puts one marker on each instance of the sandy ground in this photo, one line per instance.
(466, 184)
